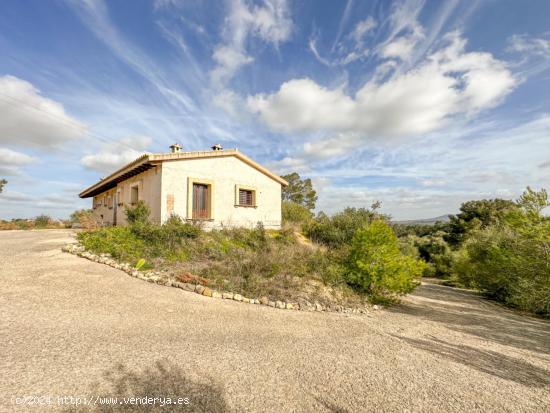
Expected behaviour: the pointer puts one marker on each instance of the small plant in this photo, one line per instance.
(140, 264)
(138, 214)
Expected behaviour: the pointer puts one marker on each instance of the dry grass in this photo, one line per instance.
(278, 265)
(28, 224)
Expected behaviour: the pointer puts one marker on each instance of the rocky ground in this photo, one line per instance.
(70, 327)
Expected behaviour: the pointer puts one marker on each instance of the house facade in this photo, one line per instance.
(220, 188)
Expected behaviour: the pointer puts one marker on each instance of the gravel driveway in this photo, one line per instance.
(71, 327)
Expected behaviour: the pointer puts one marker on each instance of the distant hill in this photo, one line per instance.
(427, 221)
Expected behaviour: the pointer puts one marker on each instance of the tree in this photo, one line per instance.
(294, 213)
(2, 183)
(476, 215)
(509, 260)
(376, 265)
(299, 191)
(340, 228)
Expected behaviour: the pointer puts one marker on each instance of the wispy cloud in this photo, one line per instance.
(29, 119)
(95, 15)
(270, 22)
(116, 154)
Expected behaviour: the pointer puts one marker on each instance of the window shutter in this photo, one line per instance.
(246, 197)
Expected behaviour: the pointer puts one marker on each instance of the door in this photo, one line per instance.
(201, 201)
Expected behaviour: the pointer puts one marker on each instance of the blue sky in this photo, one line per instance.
(418, 104)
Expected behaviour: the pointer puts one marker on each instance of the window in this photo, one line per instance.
(246, 197)
(134, 195)
(200, 194)
(201, 201)
(110, 201)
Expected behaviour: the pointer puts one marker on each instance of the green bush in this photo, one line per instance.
(120, 242)
(436, 252)
(138, 213)
(377, 266)
(294, 213)
(339, 229)
(510, 261)
(42, 221)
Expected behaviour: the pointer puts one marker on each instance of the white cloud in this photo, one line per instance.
(230, 102)
(229, 61)
(289, 164)
(11, 161)
(363, 28)
(450, 82)
(335, 146)
(28, 118)
(522, 43)
(405, 31)
(270, 22)
(401, 48)
(115, 155)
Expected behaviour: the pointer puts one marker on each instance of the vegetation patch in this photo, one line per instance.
(499, 247)
(274, 264)
(40, 222)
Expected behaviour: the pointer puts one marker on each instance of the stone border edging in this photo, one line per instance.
(160, 278)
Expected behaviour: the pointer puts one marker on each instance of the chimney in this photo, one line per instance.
(217, 147)
(175, 148)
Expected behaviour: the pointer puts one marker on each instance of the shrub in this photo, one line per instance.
(84, 217)
(339, 229)
(294, 213)
(120, 242)
(436, 252)
(376, 265)
(137, 214)
(510, 261)
(164, 240)
(42, 221)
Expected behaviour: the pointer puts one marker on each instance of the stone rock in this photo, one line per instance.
(246, 300)
(216, 294)
(318, 307)
(199, 289)
(271, 303)
(280, 304)
(376, 307)
(207, 292)
(227, 296)
(188, 287)
(289, 306)
(264, 301)
(238, 297)
(256, 301)
(177, 284)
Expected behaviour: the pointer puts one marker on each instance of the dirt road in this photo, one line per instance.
(73, 328)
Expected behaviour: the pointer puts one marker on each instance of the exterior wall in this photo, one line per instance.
(224, 174)
(166, 190)
(149, 184)
(103, 207)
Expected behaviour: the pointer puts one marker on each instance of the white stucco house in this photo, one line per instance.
(221, 188)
